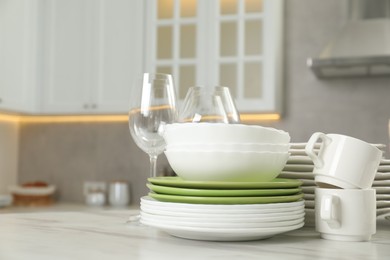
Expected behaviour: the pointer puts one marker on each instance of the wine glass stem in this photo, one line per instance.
(153, 164)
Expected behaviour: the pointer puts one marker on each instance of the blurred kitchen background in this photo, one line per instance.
(71, 151)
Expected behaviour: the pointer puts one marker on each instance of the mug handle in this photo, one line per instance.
(330, 210)
(309, 148)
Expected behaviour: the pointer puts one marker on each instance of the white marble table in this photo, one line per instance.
(103, 234)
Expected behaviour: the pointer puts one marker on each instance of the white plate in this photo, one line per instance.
(300, 152)
(383, 197)
(303, 145)
(382, 204)
(146, 200)
(382, 211)
(221, 234)
(308, 189)
(384, 168)
(298, 168)
(385, 162)
(296, 175)
(307, 197)
(202, 213)
(381, 183)
(309, 204)
(382, 190)
(205, 224)
(37, 191)
(295, 159)
(227, 219)
(382, 176)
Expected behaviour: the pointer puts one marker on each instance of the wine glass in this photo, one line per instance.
(228, 104)
(152, 105)
(213, 105)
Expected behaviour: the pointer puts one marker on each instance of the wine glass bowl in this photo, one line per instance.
(213, 105)
(152, 105)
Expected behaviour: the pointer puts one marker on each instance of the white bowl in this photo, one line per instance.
(239, 147)
(222, 133)
(226, 165)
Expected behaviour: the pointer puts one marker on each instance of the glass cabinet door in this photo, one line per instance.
(233, 43)
(173, 41)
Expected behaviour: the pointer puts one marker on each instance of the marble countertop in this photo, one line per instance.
(104, 234)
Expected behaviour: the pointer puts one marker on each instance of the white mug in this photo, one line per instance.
(343, 161)
(345, 214)
(118, 194)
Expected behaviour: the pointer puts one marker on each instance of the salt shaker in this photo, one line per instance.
(118, 195)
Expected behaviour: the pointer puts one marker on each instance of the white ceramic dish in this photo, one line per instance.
(307, 197)
(382, 211)
(222, 133)
(296, 159)
(303, 145)
(382, 204)
(298, 168)
(238, 147)
(226, 166)
(309, 204)
(384, 168)
(385, 162)
(221, 234)
(32, 191)
(381, 183)
(296, 175)
(382, 190)
(383, 197)
(308, 189)
(382, 176)
(227, 214)
(299, 152)
(146, 200)
(206, 224)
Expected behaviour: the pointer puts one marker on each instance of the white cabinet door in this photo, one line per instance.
(18, 42)
(67, 56)
(117, 54)
(93, 53)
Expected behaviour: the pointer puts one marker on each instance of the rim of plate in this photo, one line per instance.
(223, 225)
(223, 219)
(226, 231)
(148, 200)
(210, 211)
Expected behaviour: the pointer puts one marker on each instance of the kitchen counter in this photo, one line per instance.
(104, 234)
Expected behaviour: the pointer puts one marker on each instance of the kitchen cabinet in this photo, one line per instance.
(70, 57)
(93, 54)
(234, 43)
(18, 43)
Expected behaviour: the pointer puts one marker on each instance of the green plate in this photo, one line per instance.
(225, 200)
(220, 192)
(179, 182)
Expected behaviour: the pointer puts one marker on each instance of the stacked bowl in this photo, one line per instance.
(227, 187)
(226, 152)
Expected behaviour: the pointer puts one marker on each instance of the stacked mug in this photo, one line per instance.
(345, 202)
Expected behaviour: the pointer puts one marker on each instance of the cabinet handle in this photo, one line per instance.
(1, 100)
(94, 106)
(86, 106)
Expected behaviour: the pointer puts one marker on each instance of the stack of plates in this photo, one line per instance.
(300, 167)
(223, 211)
(382, 186)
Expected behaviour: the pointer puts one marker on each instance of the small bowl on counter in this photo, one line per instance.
(32, 194)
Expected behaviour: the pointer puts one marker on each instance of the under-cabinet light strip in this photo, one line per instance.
(107, 118)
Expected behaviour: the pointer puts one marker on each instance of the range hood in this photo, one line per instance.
(362, 47)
